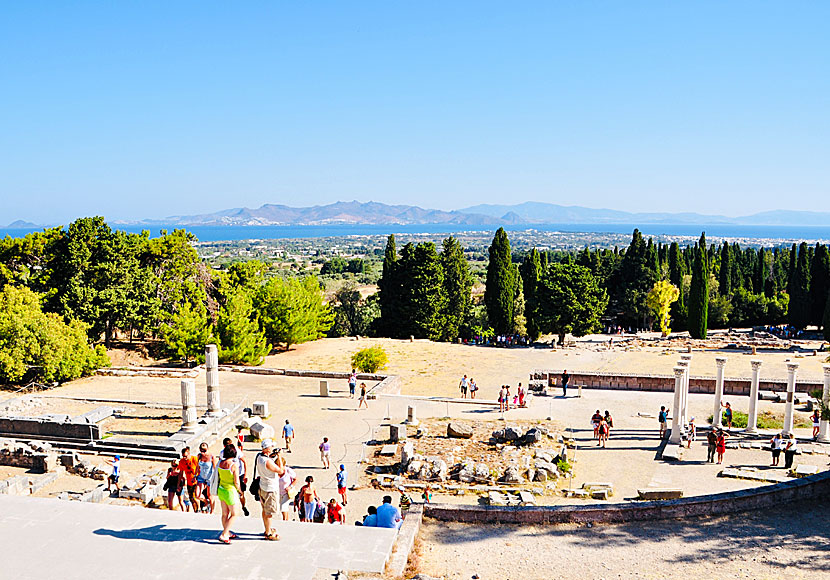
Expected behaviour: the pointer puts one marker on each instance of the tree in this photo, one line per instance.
(725, 274)
(370, 360)
(187, 332)
(826, 320)
(660, 299)
(531, 271)
(352, 314)
(819, 283)
(422, 299)
(293, 311)
(500, 292)
(698, 320)
(35, 345)
(458, 285)
(677, 270)
(569, 301)
(634, 279)
(389, 287)
(800, 306)
(240, 339)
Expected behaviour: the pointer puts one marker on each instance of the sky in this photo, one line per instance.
(138, 110)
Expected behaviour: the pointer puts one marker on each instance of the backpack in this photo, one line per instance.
(254, 487)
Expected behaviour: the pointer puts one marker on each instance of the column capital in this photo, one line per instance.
(686, 356)
(826, 369)
(792, 366)
(756, 364)
(678, 371)
(720, 361)
(683, 363)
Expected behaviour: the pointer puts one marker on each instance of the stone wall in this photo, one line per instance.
(48, 428)
(665, 383)
(158, 372)
(814, 487)
(35, 455)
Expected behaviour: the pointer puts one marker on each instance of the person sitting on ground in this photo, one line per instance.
(388, 515)
(335, 513)
(370, 520)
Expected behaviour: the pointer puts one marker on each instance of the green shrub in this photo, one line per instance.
(370, 360)
(766, 420)
(563, 466)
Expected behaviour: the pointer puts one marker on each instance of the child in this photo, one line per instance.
(405, 502)
(427, 495)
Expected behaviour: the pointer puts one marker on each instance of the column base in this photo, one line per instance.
(823, 440)
(750, 431)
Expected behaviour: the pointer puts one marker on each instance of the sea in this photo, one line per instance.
(234, 233)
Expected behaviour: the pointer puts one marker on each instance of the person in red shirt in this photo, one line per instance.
(188, 470)
(335, 513)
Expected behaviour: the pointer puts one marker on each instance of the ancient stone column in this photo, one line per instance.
(681, 411)
(212, 375)
(792, 369)
(752, 419)
(188, 405)
(687, 358)
(679, 373)
(717, 416)
(823, 435)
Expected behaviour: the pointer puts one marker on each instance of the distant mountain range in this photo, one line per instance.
(528, 213)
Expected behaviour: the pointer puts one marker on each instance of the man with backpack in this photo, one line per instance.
(663, 417)
(267, 486)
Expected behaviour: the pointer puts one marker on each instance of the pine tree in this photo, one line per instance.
(458, 284)
(698, 318)
(677, 269)
(819, 283)
(500, 292)
(240, 339)
(800, 306)
(531, 271)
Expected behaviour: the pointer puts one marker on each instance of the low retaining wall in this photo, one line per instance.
(157, 372)
(47, 428)
(406, 540)
(814, 487)
(300, 373)
(665, 383)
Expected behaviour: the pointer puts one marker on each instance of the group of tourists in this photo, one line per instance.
(785, 443)
(602, 425)
(518, 400)
(716, 444)
(353, 387)
(467, 385)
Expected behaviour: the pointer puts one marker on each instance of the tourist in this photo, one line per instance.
(405, 502)
(473, 388)
(711, 445)
(370, 520)
(188, 468)
(288, 435)
(427, 494)
(207, 463)
(595, 420)
(240, 438)
(229, 492)
(692, 433)
(319, 512)
(115, 464)
(790, 447)
(506, 397)
(171, 485)
(287, 481)
(816, 417)
(609, 420)
(342, 478)
(602, 431)
(335, 513)
(362, 402)
(309, 497)
(463, 384)
(241, 468)
(352, 384)
(388, 515)
(663, 417)
(565, 378)
(269, 487)
(325, 453)
(775, 444)
(728, 414)
(502, 398)
(720, 445)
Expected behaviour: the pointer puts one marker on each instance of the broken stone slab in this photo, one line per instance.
(652, 494)
(527, 498)
(388, 450)
(672, 453)
(602, 493)
(591, 486)
(459, 430)
(497, 498)
(802, 470)
(261, 431)
(754, 475)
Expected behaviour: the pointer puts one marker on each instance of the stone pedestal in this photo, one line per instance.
(397, 433)
(823, 434)
(752, 418)
(188, 405)
(411, 415)
(212, 377)
(260, 408)
(717, 416)
(792, 369)
(675, 412)
(324, 388)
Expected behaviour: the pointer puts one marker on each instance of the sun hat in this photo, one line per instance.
(267, 443)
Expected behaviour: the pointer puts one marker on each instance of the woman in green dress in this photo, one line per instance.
(228, 492)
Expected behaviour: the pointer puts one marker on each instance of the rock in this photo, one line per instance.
(548, 468)
(498, 436)
(467, 473)
(532, 436)
(511, 475)
(414, 467)
(482, 472)
(544, 456)
(511, 434)
(407, 454)
(261, 431)
(540, 476)
(439, 469)
(459, 431)
(531, 474)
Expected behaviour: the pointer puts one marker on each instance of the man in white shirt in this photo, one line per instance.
(269, 473)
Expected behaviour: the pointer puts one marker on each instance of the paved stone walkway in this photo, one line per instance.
(45, 538)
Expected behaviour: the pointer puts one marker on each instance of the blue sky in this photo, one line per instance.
(135, 110)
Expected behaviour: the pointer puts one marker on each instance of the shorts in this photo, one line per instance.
(113, 478)
(191, 491)
(325, 454)
(341, 490)
(270, 502)
(242, 483)
(286, 503)
(776, 453)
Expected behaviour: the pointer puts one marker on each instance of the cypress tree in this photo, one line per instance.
(826, 320)
(389, 291)
(457, 287)
(800, 307)
(698, 319)
(819, 283)
(725, 275)
(531, 271)
(793, 256)
(677, 269)
(500, 291)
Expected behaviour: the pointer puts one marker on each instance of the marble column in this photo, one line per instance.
(823, 436)
(679, 373)
(717, 416)
(752, 419)
(792, 369)
(212, 376)
(681, 411)
(188, 405)
(687, 358)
